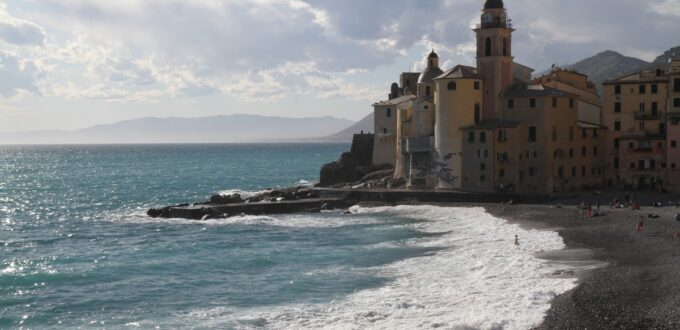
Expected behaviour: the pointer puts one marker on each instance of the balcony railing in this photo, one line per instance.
(496, 24)
(418, 144)
(647, 116)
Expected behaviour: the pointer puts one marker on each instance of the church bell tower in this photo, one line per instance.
(494, 55)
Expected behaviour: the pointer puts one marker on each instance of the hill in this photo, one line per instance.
(608, 65)
(364, 125)
(216, 129)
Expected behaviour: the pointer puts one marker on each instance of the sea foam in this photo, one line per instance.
(477, 279)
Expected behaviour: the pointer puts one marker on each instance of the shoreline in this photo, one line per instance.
(638, 288)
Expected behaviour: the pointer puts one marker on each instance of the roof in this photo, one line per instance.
(429, 74)
(396, 101)
(460, 71)
(493, 124)
(493, 4)
(433, 55)
(523, 90)
(585, 124)
(634, 78)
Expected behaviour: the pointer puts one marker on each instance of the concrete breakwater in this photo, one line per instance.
(318, 199)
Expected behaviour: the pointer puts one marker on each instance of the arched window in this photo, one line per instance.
(431, 63)
(451, 86)
(487, 47)
(478, 113)
(427, 91)
(505, 47)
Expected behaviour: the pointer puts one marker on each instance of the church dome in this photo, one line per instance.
(432, 55)
(493, 4)
(429, 74)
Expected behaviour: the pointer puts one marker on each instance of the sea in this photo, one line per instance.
(78, 251)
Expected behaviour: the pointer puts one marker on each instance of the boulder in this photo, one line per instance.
(226, 199)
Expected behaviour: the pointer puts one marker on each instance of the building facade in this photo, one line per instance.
(495, 128)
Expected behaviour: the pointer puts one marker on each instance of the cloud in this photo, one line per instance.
(19, 32)
(265, 50)
(18, 76)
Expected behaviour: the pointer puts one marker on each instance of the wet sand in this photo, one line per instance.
(639, 288)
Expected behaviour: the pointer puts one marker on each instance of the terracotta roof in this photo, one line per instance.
(397, 100)
(460, 71)
(522, 90)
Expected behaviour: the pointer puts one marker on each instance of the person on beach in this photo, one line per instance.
(640, 226)
(598, 206)
(516, 240)
(677, 217)
(627, 200)
(590, 210)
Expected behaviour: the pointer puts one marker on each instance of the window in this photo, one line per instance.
(478, 113)
(451, 86)
(482, 167)
(554, 102)
(655, 89)
(501, 173)
(531, 171)
(583, 151)
(655, 108)
(642, 107)
(482, 137)
(532, 103)
(532, 134)
(571, 133)
(571, 103)
(662, 128)
(616, 163)
(594, 151)
(573, 171)
(617, 89)
(427, 91)
(673, 165)
(571, 153)
(384, 130)
(535, 154)
(584, 133)
(642, 125)
(471, 137)
(583, 171)
(482, 178)
(632, 166)
(554, 133)
(676, 103)
(560, 171)
(659, 145)
(594, 132)
(505, 47)
(652, 164)
(501, 135)
(389, 112)
(676, 85)
(616, 143)
(511, 104)
(641, 164)
(617, 107)
(617, 126)
(476, 85)
(674, 144)
(643, 89)
(631, 145)
(487, 47)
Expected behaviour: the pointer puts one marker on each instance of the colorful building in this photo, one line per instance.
(495, 128)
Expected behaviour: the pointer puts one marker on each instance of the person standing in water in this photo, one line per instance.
(640, 226)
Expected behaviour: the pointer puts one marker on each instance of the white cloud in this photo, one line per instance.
(19, 32)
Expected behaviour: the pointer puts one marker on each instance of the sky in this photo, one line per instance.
(68, 64)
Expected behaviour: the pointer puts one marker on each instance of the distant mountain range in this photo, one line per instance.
(216, 129)
(610, 64)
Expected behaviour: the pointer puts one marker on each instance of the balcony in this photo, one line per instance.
(417, 144)
(647, 116)
(496, 24)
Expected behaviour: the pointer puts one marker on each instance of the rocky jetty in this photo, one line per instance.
(208, 209)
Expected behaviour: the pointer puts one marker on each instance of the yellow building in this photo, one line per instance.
(493, 128)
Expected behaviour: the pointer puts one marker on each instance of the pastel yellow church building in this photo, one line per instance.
(492, 127)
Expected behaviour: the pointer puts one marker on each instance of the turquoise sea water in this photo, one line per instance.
(77, 250)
